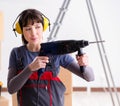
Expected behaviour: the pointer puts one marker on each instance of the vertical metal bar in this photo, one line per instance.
(59, 20)
(107, 62)
(96, 31)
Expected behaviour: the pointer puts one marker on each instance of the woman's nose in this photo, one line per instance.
(33, 31)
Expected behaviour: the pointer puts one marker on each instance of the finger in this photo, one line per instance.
(43, 57)
(43, 60)
(42, 65)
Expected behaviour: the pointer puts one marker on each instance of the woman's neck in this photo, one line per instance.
(33, 48)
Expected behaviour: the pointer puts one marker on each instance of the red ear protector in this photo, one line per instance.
(16, 26)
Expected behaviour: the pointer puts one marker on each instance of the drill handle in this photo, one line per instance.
(80, 53)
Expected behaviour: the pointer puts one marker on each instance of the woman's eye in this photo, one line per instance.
(27, 29)
(37, 27)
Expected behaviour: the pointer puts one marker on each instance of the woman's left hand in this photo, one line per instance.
(82, 60)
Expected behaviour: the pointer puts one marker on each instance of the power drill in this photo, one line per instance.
(64, 47)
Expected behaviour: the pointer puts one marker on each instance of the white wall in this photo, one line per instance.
(76, 25)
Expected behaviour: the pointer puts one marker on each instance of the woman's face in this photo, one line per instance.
(33, 33)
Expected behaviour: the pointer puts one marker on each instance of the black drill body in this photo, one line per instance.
(62, 47)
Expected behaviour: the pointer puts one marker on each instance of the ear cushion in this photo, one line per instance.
(46, 23)
(18, 28)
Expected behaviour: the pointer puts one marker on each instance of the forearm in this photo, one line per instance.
(87, 74)
(15, 82)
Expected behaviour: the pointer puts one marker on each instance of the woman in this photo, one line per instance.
(34, 77)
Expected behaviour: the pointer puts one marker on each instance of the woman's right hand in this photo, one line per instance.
(38, 62)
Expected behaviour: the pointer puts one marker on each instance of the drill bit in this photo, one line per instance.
(97, 41)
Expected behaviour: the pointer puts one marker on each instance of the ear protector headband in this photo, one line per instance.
(17, 28)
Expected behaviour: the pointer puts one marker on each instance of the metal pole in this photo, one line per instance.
(96, 31)
(59, 20)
